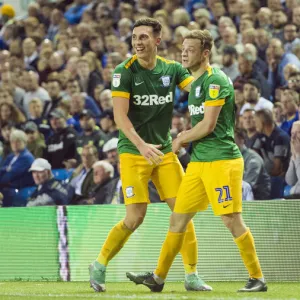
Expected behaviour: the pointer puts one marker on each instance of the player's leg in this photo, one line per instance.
(190, 199)
(135, 174)
(225, 194)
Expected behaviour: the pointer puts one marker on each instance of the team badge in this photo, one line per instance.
(129, 192)
(116, 80)
(166, 80)
(214, 90)
(197, 91)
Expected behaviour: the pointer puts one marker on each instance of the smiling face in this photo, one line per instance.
(144, 41)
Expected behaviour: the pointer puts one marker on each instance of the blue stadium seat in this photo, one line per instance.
(62, 174)
(287, 191)
(22, 195)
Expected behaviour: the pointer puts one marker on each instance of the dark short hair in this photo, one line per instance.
(265, 115)
(150, 22)
(254, 82)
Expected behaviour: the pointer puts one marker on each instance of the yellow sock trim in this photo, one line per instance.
(169, 250)
(246, 245)
(189, 249)
(115, 241)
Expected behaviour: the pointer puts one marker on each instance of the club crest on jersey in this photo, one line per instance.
(197, 91)
(166, 80)
(116, 80)
(214, 90)
(129, 192)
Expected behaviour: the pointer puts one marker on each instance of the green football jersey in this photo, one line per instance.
(151, 94)
(214, 88)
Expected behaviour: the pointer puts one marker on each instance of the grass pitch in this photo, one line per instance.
(172, 291)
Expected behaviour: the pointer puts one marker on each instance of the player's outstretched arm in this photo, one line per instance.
(201, 130)
(149, 151)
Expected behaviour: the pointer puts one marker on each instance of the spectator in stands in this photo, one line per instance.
(30, 53)
(262, 38)
(246, 62)
(296, 15)
(248, 122)
(8, 83)
(254, 170)
(53, 29)
(275, 148)
(290, 102)
(104, 99)
(82, 177)
(6, 130)
(294, 81)
(279, 19)
(88, 80)
(56, 62)
(10, 112)
(292, 176)
(111, 153)
(73, 87)
(53, 87)
(36, 111)
(36, 141)
(104, 189)
(91, 134)
(202, 17)
(277, 60)
(108, 125)
(49, 191)
(264, 18)
(33, 90)
(259, 65)
(229, 61)
(61, 146)
(74, 13)
(278, 113)
(251, 92)
(14, 171)
(290, 37)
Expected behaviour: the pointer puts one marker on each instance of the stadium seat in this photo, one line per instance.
(22, 195)
(287, 191)
(62, 174)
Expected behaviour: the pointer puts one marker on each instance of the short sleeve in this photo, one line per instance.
(281, 147)
(216, 90)
(121, 82)
(183, 76)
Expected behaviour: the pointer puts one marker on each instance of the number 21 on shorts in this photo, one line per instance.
(223, 190)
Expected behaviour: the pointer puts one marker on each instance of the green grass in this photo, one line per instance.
(120, 291)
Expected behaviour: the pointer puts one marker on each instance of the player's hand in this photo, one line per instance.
(151, 153)
(176, 145)
(181, 133)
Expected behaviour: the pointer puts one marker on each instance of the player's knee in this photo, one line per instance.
(134, 222)
(178, 223)
(228, 221)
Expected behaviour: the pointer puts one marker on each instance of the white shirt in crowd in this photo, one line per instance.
(262, 103)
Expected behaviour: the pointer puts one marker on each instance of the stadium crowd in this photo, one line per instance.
(58, 135)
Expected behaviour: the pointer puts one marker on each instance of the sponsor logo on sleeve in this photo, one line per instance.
(214, 90)
(116, 80)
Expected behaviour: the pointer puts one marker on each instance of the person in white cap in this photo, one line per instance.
(110, 151)
(49, 191)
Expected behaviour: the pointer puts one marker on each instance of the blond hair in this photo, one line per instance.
(204, 36)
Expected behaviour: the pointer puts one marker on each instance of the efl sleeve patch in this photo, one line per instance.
(214, 90)
(116, 80)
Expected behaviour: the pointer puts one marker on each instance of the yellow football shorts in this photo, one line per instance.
(136, 172)
(218, 183)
